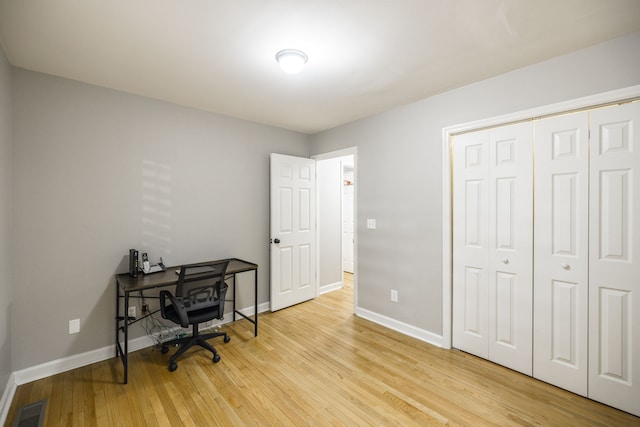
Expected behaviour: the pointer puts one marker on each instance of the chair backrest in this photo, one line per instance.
(202, 285)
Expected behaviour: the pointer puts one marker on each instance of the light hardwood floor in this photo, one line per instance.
(312, 364)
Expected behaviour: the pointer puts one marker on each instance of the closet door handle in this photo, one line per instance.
(565, 266)
(505, 260)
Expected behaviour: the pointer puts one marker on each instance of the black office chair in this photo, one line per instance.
(199, 297)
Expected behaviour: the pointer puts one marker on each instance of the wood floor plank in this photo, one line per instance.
(103, 415)
(314, 364)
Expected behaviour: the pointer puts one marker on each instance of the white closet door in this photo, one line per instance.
(471, 243)
(511, 247)
(614, 257)
(492, 245)
(561, 268)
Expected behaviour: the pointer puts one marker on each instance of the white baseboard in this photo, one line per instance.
(249, 311)
(54, 367)
(404, 328)
(330, 287)
(7, 398)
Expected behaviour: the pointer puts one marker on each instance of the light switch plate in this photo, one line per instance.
(371, 224)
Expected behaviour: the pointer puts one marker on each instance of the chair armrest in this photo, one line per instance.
(177, 305)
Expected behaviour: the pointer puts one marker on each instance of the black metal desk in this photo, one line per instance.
(126, 285)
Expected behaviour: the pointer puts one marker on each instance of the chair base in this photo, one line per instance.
(186, 343)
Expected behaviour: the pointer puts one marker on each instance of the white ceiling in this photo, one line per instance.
(365, 56)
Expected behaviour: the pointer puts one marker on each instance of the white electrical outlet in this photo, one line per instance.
(74, 326)
(132, 311)
(371, 224)
(394, 295)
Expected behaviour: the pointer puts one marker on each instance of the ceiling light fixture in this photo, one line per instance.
(291, 60)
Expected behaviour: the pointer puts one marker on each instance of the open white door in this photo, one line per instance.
(293, 230)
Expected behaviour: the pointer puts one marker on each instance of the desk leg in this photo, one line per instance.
(255, 292)
(117, 319)
(125, 356)
(234, 297)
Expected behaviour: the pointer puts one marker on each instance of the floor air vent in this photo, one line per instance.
(31, 415)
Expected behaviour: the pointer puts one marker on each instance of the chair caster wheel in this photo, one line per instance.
(164, 349)
(227, 339)
(173, 367)
(216, 358)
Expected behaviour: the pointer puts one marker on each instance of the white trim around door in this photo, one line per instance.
(351, 151)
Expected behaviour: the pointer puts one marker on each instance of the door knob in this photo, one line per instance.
(276, 241)
(565, 266)
(505, 260)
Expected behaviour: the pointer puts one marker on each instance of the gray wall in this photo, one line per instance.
(400, 170)
(5, 217)
(97, 172)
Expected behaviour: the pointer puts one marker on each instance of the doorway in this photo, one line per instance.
(336, 219)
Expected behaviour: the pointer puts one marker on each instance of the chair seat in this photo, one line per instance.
(197, 316)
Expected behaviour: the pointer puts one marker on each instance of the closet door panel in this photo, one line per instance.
(510, 246)
(614, 265)
(470, 243)
(561, 270)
